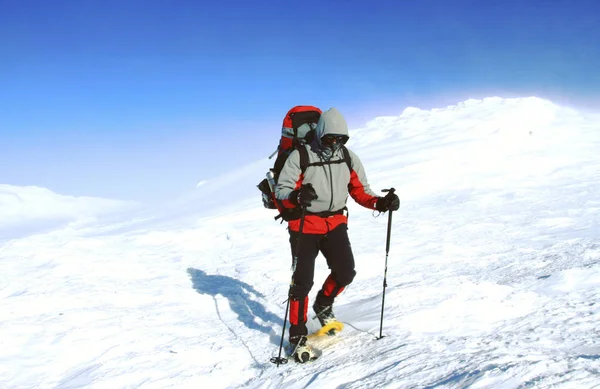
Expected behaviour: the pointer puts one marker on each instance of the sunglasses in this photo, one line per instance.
(331, 139)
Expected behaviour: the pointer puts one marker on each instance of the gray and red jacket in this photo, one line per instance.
(330, 176)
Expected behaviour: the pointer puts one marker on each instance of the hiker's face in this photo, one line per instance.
(333, 141)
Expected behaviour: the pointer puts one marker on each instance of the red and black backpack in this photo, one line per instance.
(298, 129)
(294, 133)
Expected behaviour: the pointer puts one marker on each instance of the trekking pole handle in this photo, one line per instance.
(391, 190)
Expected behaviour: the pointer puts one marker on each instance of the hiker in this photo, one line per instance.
(331, 173)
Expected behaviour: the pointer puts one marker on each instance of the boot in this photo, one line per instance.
(324, 313)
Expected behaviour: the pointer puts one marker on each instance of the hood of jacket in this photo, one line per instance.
(331, 122)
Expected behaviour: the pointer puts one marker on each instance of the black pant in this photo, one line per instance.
(335, 247)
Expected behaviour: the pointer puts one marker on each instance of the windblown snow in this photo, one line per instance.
(493, 271)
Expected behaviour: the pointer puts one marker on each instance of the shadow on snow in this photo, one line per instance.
(239, 295)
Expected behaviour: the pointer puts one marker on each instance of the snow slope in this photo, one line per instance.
(493, 277)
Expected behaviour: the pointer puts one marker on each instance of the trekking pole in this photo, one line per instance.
(278, 360)
(387, 250)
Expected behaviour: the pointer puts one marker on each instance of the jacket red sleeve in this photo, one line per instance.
(359, 187)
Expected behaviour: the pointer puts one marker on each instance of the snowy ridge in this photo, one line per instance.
(493, 278)
(24, 210)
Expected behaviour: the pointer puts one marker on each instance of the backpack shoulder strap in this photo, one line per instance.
(347, 158)
(303, 157)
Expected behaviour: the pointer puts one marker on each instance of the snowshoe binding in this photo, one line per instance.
(301, 350)
(330, 325)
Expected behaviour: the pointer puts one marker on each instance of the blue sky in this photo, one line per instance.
(142, 99)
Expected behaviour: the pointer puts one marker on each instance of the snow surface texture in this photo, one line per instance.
(493, 274)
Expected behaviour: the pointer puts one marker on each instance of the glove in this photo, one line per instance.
(390, 202)
(303, 196)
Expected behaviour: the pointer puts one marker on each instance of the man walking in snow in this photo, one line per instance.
(322, 186)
